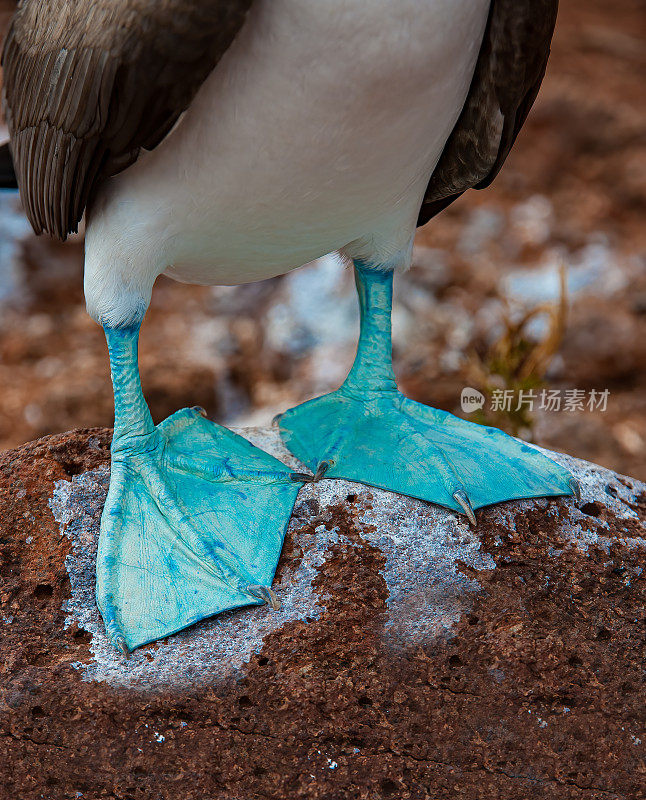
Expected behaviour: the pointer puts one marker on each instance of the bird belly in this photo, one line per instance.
(320, 126)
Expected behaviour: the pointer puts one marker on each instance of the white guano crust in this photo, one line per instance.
(426, 548)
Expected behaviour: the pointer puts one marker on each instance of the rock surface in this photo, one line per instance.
(413, 657)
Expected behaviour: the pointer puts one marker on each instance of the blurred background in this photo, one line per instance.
(536, 283)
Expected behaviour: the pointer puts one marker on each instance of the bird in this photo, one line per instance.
(231, 141)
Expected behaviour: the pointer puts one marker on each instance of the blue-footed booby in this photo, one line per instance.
(229, 141)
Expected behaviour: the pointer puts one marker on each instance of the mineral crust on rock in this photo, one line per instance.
(413, 656)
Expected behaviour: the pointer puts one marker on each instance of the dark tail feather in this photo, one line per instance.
(7, 172)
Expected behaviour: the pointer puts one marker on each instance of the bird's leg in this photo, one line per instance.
(194, 519)
(369, 432)
(132, 417)
(372, 370)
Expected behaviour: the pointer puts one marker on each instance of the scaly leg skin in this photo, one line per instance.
(194, 519)
(368, 431)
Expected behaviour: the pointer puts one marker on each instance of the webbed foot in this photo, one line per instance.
(194, 520)
(386, 440)
(368, 431)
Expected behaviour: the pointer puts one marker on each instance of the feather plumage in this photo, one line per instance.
(88, 84)
(508, 75)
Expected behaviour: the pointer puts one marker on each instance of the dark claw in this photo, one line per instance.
(265, 593)
(576, 488)
(120, 644)
(461, 498)
(304, 477)
(300, 477)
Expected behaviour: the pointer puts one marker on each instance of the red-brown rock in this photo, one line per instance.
(413, 658)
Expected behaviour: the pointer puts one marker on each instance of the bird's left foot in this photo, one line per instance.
(193, 525)
(384, 439)
(194, 519)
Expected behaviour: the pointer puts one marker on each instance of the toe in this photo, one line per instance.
(462, 499)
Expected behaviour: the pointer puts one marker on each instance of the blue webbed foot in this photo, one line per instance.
(368, 431)
(194, 520)
(386, 440)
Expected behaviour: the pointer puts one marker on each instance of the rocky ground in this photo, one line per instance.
(413, 658)
(572, 193)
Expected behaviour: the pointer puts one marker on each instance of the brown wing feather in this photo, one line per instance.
(508, 75)
(88, 83)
